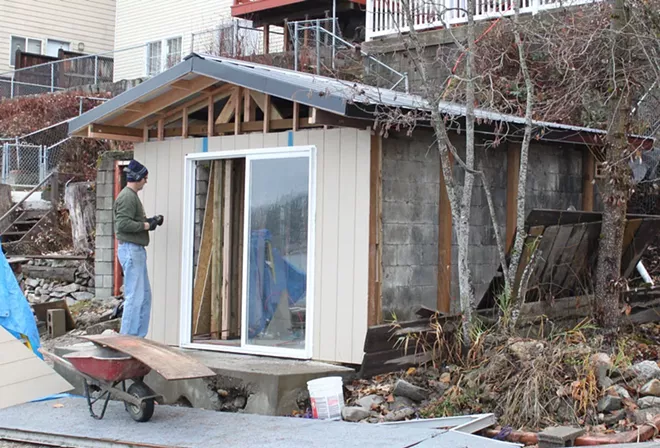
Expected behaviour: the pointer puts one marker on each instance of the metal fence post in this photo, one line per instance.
(235, 37)
(295, 46)
(11, 95)
(318, 48)
(41, 163)
(5, 161)
(334, 31)
(96, 69)
(52, 77)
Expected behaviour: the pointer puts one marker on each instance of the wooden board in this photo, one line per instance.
(41, 312)
(560, 258)
(647, 231)
(543, 217)
(217, 260)
(23, 376)
(225, 291)
(171, 364)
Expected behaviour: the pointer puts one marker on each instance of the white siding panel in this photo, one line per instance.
(142, 21)
(90, 22)
(342, 223)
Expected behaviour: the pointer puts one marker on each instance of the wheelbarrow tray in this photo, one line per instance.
(107, 365)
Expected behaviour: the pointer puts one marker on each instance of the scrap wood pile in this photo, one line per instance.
(570, 378)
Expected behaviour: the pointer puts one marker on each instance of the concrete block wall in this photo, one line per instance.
(105, 253)
(410, 226)
(202, 172)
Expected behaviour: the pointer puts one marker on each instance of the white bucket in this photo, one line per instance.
(327, 397)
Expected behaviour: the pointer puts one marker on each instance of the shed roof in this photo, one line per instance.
(198, 73)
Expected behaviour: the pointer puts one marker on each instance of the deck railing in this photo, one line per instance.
(387, 17)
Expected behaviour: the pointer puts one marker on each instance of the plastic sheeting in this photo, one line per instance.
(15, 312)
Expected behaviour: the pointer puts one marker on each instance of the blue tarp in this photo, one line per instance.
(15, 312)
(270, 276)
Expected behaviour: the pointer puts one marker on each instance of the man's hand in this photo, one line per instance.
(152, 223)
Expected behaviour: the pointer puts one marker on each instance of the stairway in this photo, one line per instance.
(25, 226)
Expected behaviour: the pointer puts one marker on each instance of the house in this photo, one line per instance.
(45, 27)
(291, 227)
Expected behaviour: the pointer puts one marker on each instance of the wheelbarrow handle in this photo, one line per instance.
(66, 364)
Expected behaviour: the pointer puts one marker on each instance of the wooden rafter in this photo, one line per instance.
(296, 116)
(227, 111)
(175, 113)
(211, 113)
(162, 101)
(238, 104)
(228, 128)
(161, 130)
(249, 111)
(184, 122)
(115, 133)
(265, 107)
(260, 98)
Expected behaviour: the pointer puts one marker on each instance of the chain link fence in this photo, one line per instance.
(238, 39)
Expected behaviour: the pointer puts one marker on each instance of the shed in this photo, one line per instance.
(290, 225)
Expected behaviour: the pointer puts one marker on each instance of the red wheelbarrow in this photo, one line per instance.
(103, 371)
(116, 359)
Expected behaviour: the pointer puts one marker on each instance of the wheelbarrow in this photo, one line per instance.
(103, 370)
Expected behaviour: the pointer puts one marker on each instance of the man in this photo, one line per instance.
(132, 230)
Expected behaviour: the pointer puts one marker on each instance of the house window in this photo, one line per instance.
(173, 52)
(23, 44)
(163, 54)
(53, 47)
(154, 58)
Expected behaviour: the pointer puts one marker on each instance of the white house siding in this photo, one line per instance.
(342, 232)
(143, 21)
(91, 22)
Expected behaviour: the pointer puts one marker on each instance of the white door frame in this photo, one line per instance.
(187, 281)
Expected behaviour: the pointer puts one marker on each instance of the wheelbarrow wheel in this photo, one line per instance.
(146, 411)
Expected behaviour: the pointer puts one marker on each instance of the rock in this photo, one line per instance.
(648, 402)
(109, 331)
(70, 302)
(82, 295)
(445, 378)
(620, 391)
(614, 417)
(643, 372)
(401, 403)
(58, 294)
(526, 350)
(240, 402)
(399, 415)
(44, 298)
(68, 289)
(99, 328)
(91, 283)
(609, 403)
(370, 401)
(222, 393)
(403, 388)
(602, 363)
(645, 415)
(651, 388)
(31, 282)
(354, 413)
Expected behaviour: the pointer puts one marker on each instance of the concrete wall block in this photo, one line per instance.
(103, 216)
(103, 292)
(396, 233)
(101, 177)
(397, 275)
(424, 233)
(389, 252)
(409, 255)
(105, 203)
(104, 255)
(104, 191)
(108, 281)
(201, 186)
(424, 275)
(397, 190)
(202, 173)
(104, 242)
(103, 268)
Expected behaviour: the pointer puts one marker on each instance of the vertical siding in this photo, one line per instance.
(341, 224)
(142, 21)
(91, 22)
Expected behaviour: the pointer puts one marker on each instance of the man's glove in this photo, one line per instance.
(159, 219)
(153, 223)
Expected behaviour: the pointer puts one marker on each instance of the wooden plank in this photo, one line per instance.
(228, 111)
(249, 108)
(346, 244)
(324, 118)
(118, 130)
(512, 177)
(266, 32)
(169, 363)
(198, 103)
(296, 116)
(543, 217)
(564, 263)
(330, 237)
(226, 247)
(391, 361)
(210, 104)
(116, 137)
(203, 260)
(647, 231)
(184, 123)
(551, 258)
(238, 215)
(265, 107)
(444, 246)
(375, 231)
(145, 133)
(41, 312)
(588, 171)
(545, 246)
(161, 130)
(270, 109)
(217, 260)
(237, 111)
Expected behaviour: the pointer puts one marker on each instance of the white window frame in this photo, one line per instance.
(163, 53)
(187, 281)
(11, 36)
(64, 41)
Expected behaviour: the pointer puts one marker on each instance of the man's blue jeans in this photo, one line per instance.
(137, 291)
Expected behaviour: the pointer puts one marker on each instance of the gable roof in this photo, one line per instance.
(344, 98)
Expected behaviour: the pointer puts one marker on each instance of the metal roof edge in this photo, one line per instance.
(181, 69)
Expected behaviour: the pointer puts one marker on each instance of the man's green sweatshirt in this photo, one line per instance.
(130, 218)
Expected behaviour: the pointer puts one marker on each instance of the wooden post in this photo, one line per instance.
(249, 112)
(266, 39)
(211, 115)
(217, 260)
(296, 116)
(226, 285)
(145, 133)
(285, 36)
(306, 32)
(184, 123)
(444, 246)
(512, 176)
(375, 308)
(161, 130)
(266, 110)
(238, 105)
(588, 172)
(55, 190)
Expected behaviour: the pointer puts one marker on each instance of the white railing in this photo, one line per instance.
(387, 17)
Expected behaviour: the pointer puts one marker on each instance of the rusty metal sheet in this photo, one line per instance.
(169, 363)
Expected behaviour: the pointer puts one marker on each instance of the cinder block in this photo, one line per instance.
(103, 216)
(104, 229)
(396, 233)
(104, 191)
(100, 177)
(104, 255)
(104, 242)
(56, 323)
(103, 268)
(424, 275)
(389, 254)
(103, 292)
(108, 281)
(105, 203)
(559, 436)
(397, 275)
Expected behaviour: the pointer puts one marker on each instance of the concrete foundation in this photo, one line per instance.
(253, 384)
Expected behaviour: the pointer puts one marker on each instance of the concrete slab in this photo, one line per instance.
(67, 420)
(272, 386)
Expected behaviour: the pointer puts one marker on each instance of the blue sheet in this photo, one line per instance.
(15, 312)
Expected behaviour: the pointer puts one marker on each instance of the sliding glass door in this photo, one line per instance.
(276, 254)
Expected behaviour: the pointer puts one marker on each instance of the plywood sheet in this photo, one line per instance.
(23, 376)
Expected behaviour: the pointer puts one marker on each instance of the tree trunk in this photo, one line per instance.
(615, 188)
(80, 199)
